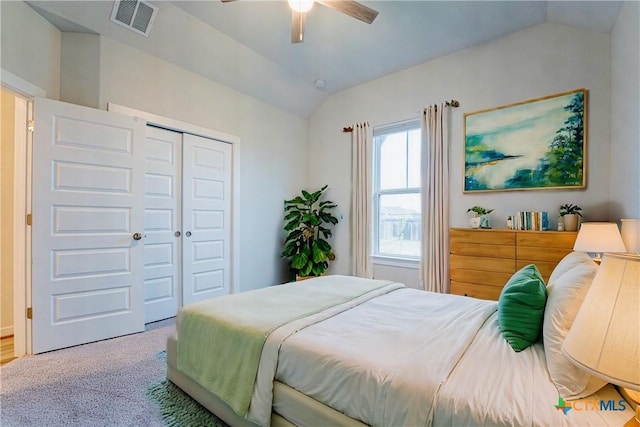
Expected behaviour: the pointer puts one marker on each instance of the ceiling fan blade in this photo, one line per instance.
(297, 26)
(351, 8)
(227, 1)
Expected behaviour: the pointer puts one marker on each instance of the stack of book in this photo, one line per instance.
(525, 220)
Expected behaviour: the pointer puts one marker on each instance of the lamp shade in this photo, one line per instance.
(599, 237)
(605, 336)
(301, 6)
(631, 235)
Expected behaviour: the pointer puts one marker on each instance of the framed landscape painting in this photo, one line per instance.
(530, 145)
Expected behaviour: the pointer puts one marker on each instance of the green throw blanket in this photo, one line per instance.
(220, 340)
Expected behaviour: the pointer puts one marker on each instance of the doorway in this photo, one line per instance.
(15, 111)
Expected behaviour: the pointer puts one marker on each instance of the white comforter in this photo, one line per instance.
(495, 386)
(414, 358)
(386, 374)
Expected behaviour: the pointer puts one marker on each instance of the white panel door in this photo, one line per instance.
(162, 238)
(206, 218)
(88, 202)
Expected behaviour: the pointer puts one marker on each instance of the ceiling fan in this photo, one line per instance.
(299, 9)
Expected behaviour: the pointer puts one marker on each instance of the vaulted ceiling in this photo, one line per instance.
(245, 45)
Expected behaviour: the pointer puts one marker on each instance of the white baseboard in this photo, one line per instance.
(6, 331)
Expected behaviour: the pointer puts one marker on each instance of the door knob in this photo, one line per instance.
(177, 234)
(188, 234)
(137, 236)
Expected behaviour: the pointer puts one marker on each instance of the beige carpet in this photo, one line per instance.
(99, 384)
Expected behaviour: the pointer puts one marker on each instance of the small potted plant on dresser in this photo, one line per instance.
(480, 218)
(569, 214)
(308, 220)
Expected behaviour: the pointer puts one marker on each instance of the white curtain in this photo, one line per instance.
(361, 178)
(434, 262)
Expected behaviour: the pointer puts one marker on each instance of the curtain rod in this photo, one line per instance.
(452, 103)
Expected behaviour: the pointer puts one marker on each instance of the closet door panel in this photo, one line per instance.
(206, 210)
(163, 152)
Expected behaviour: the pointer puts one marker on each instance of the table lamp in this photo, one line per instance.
(605, 336)
(599, 237)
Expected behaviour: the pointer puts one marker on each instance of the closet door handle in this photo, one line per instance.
(137, 236)
(177, 234)
(188, 234)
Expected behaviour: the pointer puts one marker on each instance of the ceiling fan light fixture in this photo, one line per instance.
(301, 6)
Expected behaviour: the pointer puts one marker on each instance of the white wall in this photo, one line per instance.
(80, 69)
(625, 111)
(30, 47)
(273, 144)
(539, 61)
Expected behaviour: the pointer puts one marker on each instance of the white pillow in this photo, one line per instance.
(564, 298)
(568, 262)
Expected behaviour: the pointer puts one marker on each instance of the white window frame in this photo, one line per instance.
(382, 258)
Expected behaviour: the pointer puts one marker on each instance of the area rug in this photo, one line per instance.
(178, 409)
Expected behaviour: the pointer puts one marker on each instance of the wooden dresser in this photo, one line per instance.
(481, 261)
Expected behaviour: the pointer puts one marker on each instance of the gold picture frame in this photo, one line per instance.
(538, 144)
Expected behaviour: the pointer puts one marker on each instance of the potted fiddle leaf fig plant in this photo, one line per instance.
(480, 217)
(308, 221)
(569, 214)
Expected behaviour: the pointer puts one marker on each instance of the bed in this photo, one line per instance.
(372, 352)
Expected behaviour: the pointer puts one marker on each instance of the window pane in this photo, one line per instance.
(413, 161)
(399, 225)
(393, 161)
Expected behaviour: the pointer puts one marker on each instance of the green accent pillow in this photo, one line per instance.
(521, 307)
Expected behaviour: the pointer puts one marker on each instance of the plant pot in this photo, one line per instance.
(301, 278)
(570, 222)
(475, 222)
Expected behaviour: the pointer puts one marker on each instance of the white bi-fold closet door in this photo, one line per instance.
(187, 220)
(127, 226)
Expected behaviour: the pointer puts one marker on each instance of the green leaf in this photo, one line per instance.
(306, 195)
(326, 233)
(318, 254)
(311, 219)
(293, 214)
(323, 245)
(292, 225)
(296, 201)
(304, 249)
(290, 249)
(318, 269)
(316, 196)
(299, 261)
(327, 217)
(306, 270)
(327, 205)
(294, 234)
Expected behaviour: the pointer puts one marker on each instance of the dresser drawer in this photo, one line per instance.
(475, 236)
(476, 291)
(541, 254)
(482, 250)
(490, 278)
(482, 263)
(546, 239)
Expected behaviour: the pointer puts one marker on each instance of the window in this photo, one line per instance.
(396, 198)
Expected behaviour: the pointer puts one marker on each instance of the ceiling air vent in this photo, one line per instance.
(136, 15)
